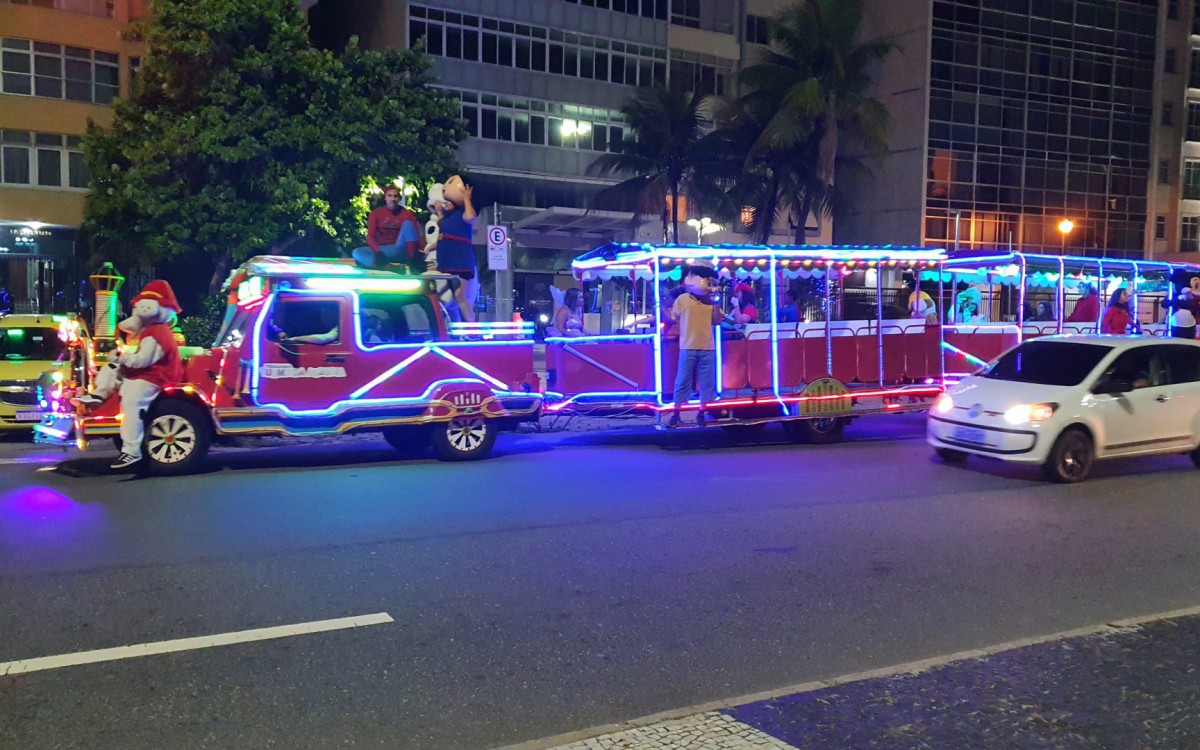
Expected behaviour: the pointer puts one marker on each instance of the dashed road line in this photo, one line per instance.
(190, 644)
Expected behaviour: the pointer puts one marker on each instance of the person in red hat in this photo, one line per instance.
(153, 365)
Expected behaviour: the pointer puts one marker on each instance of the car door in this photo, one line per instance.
(1136, 419)
(303, 352)
(1183, 372)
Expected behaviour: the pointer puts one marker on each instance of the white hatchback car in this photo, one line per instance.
(1064, 401)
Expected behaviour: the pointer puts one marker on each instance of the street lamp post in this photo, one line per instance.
(1064, 227)
(703, 226)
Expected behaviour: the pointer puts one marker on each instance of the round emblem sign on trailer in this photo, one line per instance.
(825, 391)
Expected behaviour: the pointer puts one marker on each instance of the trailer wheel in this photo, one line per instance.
(409, 441)
(464, 438)
(819, 431)
(178, 435)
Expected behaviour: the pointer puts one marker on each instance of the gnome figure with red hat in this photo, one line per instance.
(150, 364)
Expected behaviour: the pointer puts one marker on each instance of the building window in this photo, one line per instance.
(1168, 113)
(42, 159)
(1190, 238)
(541, 123)
(758, 29)
(1172, 9)
(1164, 173)
(686, 13)
(1194, 76)
(513, 45)
(644, 8)
(1191, 180)
(55, 71)
(1193, 121)
(703, 74)
(1160, 228)
(1169, 61)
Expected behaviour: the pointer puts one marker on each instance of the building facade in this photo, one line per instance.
(62, 62)
(541, 85)
(1010, 116)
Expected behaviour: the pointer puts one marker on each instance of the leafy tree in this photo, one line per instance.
(667, 154)
(241, 138)
(801, 96)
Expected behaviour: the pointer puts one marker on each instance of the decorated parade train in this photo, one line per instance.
(820, 335)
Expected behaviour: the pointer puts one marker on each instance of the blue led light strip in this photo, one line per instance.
(968, 356)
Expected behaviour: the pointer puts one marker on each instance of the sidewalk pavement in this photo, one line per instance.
(1133, 684)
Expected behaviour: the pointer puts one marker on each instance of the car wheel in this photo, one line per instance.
(464, 438)
(1071, 457)
(178, 435)
(410, 441)
(951, 456)
(820, 431)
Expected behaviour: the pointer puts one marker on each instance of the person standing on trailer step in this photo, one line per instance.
(697, 313)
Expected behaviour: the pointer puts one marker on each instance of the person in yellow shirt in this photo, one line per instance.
(697, 312)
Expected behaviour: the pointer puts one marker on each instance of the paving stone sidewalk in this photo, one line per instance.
(1127, 687)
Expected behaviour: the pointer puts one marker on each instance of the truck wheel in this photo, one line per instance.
(409, 441)
(819, 431)
(1070, 459)
(178, 436)
(464, 438)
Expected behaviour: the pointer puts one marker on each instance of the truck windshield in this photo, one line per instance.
(1048, 363)
(30, 343)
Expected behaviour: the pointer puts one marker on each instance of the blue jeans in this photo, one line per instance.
(388, 254)
(697, 371)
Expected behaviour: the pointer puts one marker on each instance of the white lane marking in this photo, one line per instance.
(707, 731)
(188, 644)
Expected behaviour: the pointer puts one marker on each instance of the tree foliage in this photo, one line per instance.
(666, 154)
(775, 147)
(240, 137)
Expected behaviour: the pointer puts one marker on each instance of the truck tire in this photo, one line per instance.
(464, 438)
(819, 431)
(178, 436)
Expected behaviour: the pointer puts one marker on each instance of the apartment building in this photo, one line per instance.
(62, 62)
(541, 85)
(1010, 116)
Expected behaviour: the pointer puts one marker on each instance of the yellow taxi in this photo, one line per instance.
(29, 346)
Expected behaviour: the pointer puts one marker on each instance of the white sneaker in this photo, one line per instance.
(125, 461)
(88, 399)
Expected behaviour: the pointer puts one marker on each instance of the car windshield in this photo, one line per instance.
(30, 343)
(1048, 363)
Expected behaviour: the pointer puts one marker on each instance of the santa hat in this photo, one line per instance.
(743, 287)
(161, 292)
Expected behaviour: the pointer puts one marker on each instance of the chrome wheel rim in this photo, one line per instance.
(171, 439)
(466, 434)
(1074, 461)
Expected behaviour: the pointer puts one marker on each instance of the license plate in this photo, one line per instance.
(971, 435)
(30, 416)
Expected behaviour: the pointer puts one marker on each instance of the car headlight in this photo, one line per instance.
(943, 403)
(1022, 413)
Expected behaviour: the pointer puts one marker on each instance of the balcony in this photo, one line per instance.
(98, 8)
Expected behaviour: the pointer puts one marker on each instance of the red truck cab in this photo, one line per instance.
(322, 347)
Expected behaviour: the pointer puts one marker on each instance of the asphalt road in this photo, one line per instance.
(576, 579)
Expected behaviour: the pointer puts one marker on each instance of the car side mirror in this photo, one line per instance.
(1113, 386)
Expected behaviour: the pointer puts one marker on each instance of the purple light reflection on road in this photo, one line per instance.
(40, 518)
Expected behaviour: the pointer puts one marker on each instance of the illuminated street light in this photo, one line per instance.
(703, 226)
(1064, 227)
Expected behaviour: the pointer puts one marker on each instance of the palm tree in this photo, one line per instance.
(803, 93)
(664, 152)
